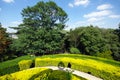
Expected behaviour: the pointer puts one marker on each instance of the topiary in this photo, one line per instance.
(25, 64)
(74, 50)
(61, 65)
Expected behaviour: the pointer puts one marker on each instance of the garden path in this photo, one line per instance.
(76, 72)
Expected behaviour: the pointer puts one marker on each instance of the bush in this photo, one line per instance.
(41, 75)
(13, 65)
(59, 75)
(74, 50)
(106, 54)
(23, 75)
(25, 64)
(9, 69)
(94, 64)
(61, 64)
(7, 77)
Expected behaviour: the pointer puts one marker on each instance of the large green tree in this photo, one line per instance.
(41, 28)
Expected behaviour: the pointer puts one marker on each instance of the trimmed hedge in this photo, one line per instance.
(95, 67)
(23, 75)
(12, 66)
(61, 64)
(40, 74)
(25, 64)
(9, 69)
(59, 75)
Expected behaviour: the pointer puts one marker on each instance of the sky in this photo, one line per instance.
(101, 13)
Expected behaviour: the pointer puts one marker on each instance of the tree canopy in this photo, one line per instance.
(41, 31)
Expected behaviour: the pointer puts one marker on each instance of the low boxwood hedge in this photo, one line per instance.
(94, 67)
(12, 66)
(25, 64)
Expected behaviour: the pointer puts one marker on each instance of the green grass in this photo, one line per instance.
(100, 67)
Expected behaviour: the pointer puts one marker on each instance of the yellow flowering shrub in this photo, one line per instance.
(23, 75)
(97, 68)
(25, 64)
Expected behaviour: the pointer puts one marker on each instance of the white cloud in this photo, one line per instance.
(71, 5)
(79, 3)
(98, 14)
(93, 19)
(104, 7)
(8, 1)
(114, 16)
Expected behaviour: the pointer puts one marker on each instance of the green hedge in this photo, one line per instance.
(12, 66)
(25, 64)
(59, 75)
(41, 75)
(85, 68)
(9, 69)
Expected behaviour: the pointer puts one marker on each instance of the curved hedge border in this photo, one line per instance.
(12, 66)
(96, 68)
(40, 74)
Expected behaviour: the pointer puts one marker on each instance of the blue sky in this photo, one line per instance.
(102, 13)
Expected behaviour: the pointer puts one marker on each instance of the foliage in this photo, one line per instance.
(59, 75)
(106, 54)
(7, 77)
(85, 64)
(4, 43)
(13, 65)
(25, 64)
(42, 75)
(61, 64)
(25, 74)
(110, 70)
(41, 29)
(116, 48)
(92, 40)
(74, 50)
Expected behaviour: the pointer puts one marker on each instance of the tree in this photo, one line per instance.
(4, 42)
(116, 47)
(88, 40)
(41, 28)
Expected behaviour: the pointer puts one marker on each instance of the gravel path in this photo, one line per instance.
(76, 72)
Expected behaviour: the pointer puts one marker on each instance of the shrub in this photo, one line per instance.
(23, 75)
(13, 65)
(74, 50)
(9, 69)
(59, 75)
(25, 64)
(41, 75)
(94, 64)
(7, 77)
(106, 54)
(61, 64)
